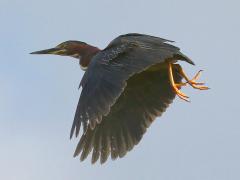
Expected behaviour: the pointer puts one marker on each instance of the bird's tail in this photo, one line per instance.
(181, 56)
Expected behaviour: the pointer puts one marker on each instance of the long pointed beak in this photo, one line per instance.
(56, 51)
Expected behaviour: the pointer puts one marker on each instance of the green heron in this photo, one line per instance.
(125, 87)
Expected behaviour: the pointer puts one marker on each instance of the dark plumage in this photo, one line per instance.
(125, 87)
(146, 96)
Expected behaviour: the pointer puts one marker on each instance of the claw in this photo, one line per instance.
(192, 82)
(183, 98)
(197, 75)
(179, 92)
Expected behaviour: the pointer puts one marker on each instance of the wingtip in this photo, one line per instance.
(183, 57)
(192, 63)
(71, 134)
(189, 60)
(93, 161)
(75, 154)
(72, 129)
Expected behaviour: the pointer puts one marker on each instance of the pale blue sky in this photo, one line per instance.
(191, 141)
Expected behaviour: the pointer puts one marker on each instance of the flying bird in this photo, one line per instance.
(124, 88)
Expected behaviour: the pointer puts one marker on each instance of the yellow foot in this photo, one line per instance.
(193, 82)
(180, 94)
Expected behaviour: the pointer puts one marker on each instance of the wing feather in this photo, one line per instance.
(133, 113)
(106, 77)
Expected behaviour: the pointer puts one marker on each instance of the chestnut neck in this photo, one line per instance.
(87, 52)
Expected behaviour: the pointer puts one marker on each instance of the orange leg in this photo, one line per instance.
(192, 82)
(174, 86)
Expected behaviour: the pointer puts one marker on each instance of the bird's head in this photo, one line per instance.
(77, 49)
(68, 48)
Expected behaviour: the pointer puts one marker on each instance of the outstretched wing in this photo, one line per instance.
(106, 77)
(146, 96)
